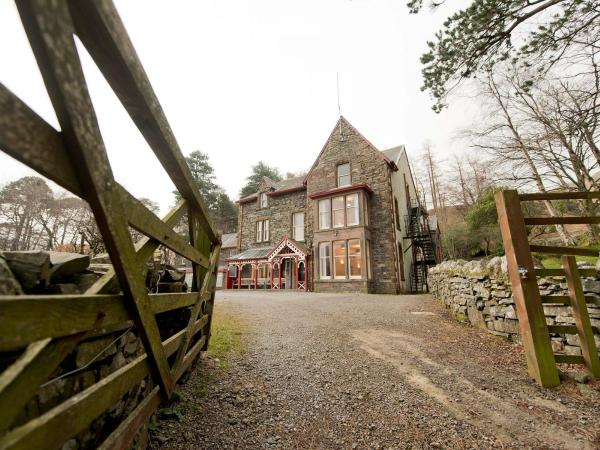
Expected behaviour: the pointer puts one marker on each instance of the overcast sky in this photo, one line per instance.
(247, 81)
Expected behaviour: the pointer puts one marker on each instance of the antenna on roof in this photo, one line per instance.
(337, 74)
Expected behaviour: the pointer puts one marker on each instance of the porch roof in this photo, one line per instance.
(252, 253)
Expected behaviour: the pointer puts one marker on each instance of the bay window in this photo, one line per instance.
(339, 259)
(352, 209)
(324, 214)
(298, 226)
(354, 258)
(337, 207)
(325, 260)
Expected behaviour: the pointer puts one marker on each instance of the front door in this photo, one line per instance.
(289, 269)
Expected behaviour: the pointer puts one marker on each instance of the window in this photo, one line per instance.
(337, 207)
(396, 213)
(352, 209)
(259, 231)
(298, 226)
(401, 260)
(262, 231)
(324, 214)
(264, 202)
(339, 259)
(368, 255)
(354, 258)
(325, 260)
(343, 175)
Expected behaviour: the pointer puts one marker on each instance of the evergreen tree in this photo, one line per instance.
(474, 39)
(259, 171)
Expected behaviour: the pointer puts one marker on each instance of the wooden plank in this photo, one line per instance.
(562, 329)
(104, 36)
(124, 435)
(569, 359)
(581, 316)
(559, 196)
(145, 247)
(561, 272)
(561, 220)
(145, 221)
(576, 251)
(53, 428)
(532, 321)
(29, 139)
(50, 33)
(33, 317)
(21, 383)
(205, 289)
(566, 300)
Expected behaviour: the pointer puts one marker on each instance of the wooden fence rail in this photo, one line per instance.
(535, 333)
(46, 329)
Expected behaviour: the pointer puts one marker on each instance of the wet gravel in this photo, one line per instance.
(358, 371)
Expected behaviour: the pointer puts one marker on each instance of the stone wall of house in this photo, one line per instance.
(279, 213)
(369, 168)
(356, 286)
(479, 292)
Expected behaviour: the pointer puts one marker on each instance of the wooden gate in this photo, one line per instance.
(541, 361)
(45, 329)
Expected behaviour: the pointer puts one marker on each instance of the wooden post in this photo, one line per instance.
(271, 274)
(239, 276)
(581, 316)
(296, 263)
(526, 294)
(255, 268)
(279, 272)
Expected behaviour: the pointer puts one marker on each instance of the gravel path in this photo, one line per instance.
(373, 371)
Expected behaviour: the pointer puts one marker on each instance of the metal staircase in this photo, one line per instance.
(422, 244)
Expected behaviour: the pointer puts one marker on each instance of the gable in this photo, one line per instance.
(346, 145)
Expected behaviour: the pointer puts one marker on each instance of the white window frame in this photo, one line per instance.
(342, 209)
(323, 260)
(262, 230)
(264, 200)
(359, 256)
(356, 207)
(341, 176)
(296, 227)
(368, 258)
(325, 215)
(345, 256)
(259, 230)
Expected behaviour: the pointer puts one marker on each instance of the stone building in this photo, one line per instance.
(349, 225)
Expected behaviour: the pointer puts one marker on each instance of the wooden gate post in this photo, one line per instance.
(526, 294)
(582, 318)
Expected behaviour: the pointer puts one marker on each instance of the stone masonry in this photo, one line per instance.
(369, 168)
(479, 292)
(279, 213)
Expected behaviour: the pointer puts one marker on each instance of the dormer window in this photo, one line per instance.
(264, 202)
(343, 175)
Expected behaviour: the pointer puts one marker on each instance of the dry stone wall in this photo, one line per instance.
(479, 293)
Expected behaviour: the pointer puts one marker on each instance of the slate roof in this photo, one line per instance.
(252, 253)
(229, 240)
(394, 153)
(290, 183)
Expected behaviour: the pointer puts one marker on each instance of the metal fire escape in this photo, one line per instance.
(423, 246)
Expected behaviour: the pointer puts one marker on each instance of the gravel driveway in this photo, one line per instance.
(373, 371)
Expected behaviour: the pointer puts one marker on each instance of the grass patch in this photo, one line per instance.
(227, 337)
(555, 262)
